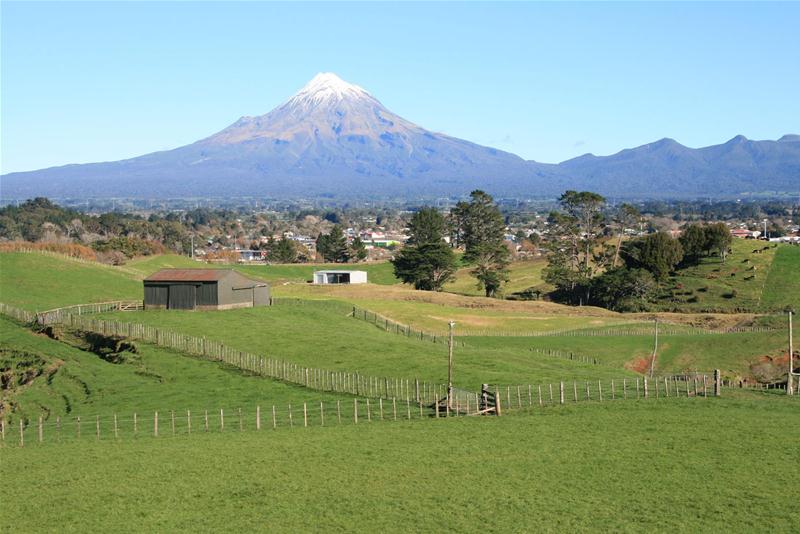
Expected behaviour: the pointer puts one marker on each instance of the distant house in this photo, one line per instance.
(743, 233)
(340, 277)
(203, 289)
(251, 255)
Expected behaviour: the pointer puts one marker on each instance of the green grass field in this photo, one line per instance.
(322, 335)
(667, 465)
(522, 275)
(736, 285)
(37, 282)
(732, 353)
(782, 287)
(678, 465)
(84, 384)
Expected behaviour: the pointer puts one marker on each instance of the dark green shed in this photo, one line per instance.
(203, 289)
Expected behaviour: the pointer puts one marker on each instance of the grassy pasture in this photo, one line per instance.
(713, 285)
(733, 353)
(38, 282)
(522, 275)
(432, 311)
(662, 466)
(84, 384)
(322, 335)
(782, 287)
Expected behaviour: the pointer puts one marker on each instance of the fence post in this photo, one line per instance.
(355, 411)
(155, 424)
(644, 385)
(41, 430)
(497, 403)
(717, 383)
(21, 433)
(561, 392)
(258, 417)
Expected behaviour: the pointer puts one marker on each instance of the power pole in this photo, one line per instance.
(452, 325)
(192, 252)
(790, 381)
(655, 349)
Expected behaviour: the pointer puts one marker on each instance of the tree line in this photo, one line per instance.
(585, 267)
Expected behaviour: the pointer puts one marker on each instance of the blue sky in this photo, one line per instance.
(86, 82)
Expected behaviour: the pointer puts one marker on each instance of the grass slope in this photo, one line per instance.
(732, 353)
(37, 282)
(161, 380)
(661, 466)
(735, 285)
(522, 275)
(322, 335)
(783, 282)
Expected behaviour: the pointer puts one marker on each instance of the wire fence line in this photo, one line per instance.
(508, 400)
(390, 325)
(574, 391)
(161, 423)
(620, 331)
(61, 315)
(567, 356)
(335, 381)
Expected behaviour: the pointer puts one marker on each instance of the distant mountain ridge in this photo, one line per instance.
(666, 166)
(333, 138)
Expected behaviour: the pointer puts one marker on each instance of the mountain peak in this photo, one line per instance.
(738, 139)
(326, 86)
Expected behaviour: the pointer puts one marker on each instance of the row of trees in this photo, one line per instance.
(428, 261)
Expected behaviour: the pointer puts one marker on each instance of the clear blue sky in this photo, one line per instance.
(104, 81)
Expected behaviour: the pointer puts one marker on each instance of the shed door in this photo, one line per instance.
(182, 297)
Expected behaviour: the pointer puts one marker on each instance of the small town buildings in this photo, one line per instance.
(340, 277)
(203, 289)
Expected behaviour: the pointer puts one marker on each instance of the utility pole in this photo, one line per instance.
(452, 325)
(790, 380)
(655, 349)
(192, 252)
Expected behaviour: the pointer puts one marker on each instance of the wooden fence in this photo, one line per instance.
(61, 315)
(347, 382)
(614, 331)
(184, 422)
(505, 400)
(527, 395)
(567, 356)
(390, 325)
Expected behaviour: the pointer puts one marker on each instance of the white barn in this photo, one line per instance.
(340, 277)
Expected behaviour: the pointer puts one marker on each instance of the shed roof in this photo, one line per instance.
(189, 275)
(338, 271)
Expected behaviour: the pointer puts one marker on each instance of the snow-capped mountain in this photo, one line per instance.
(333, 138)
(330, 138)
